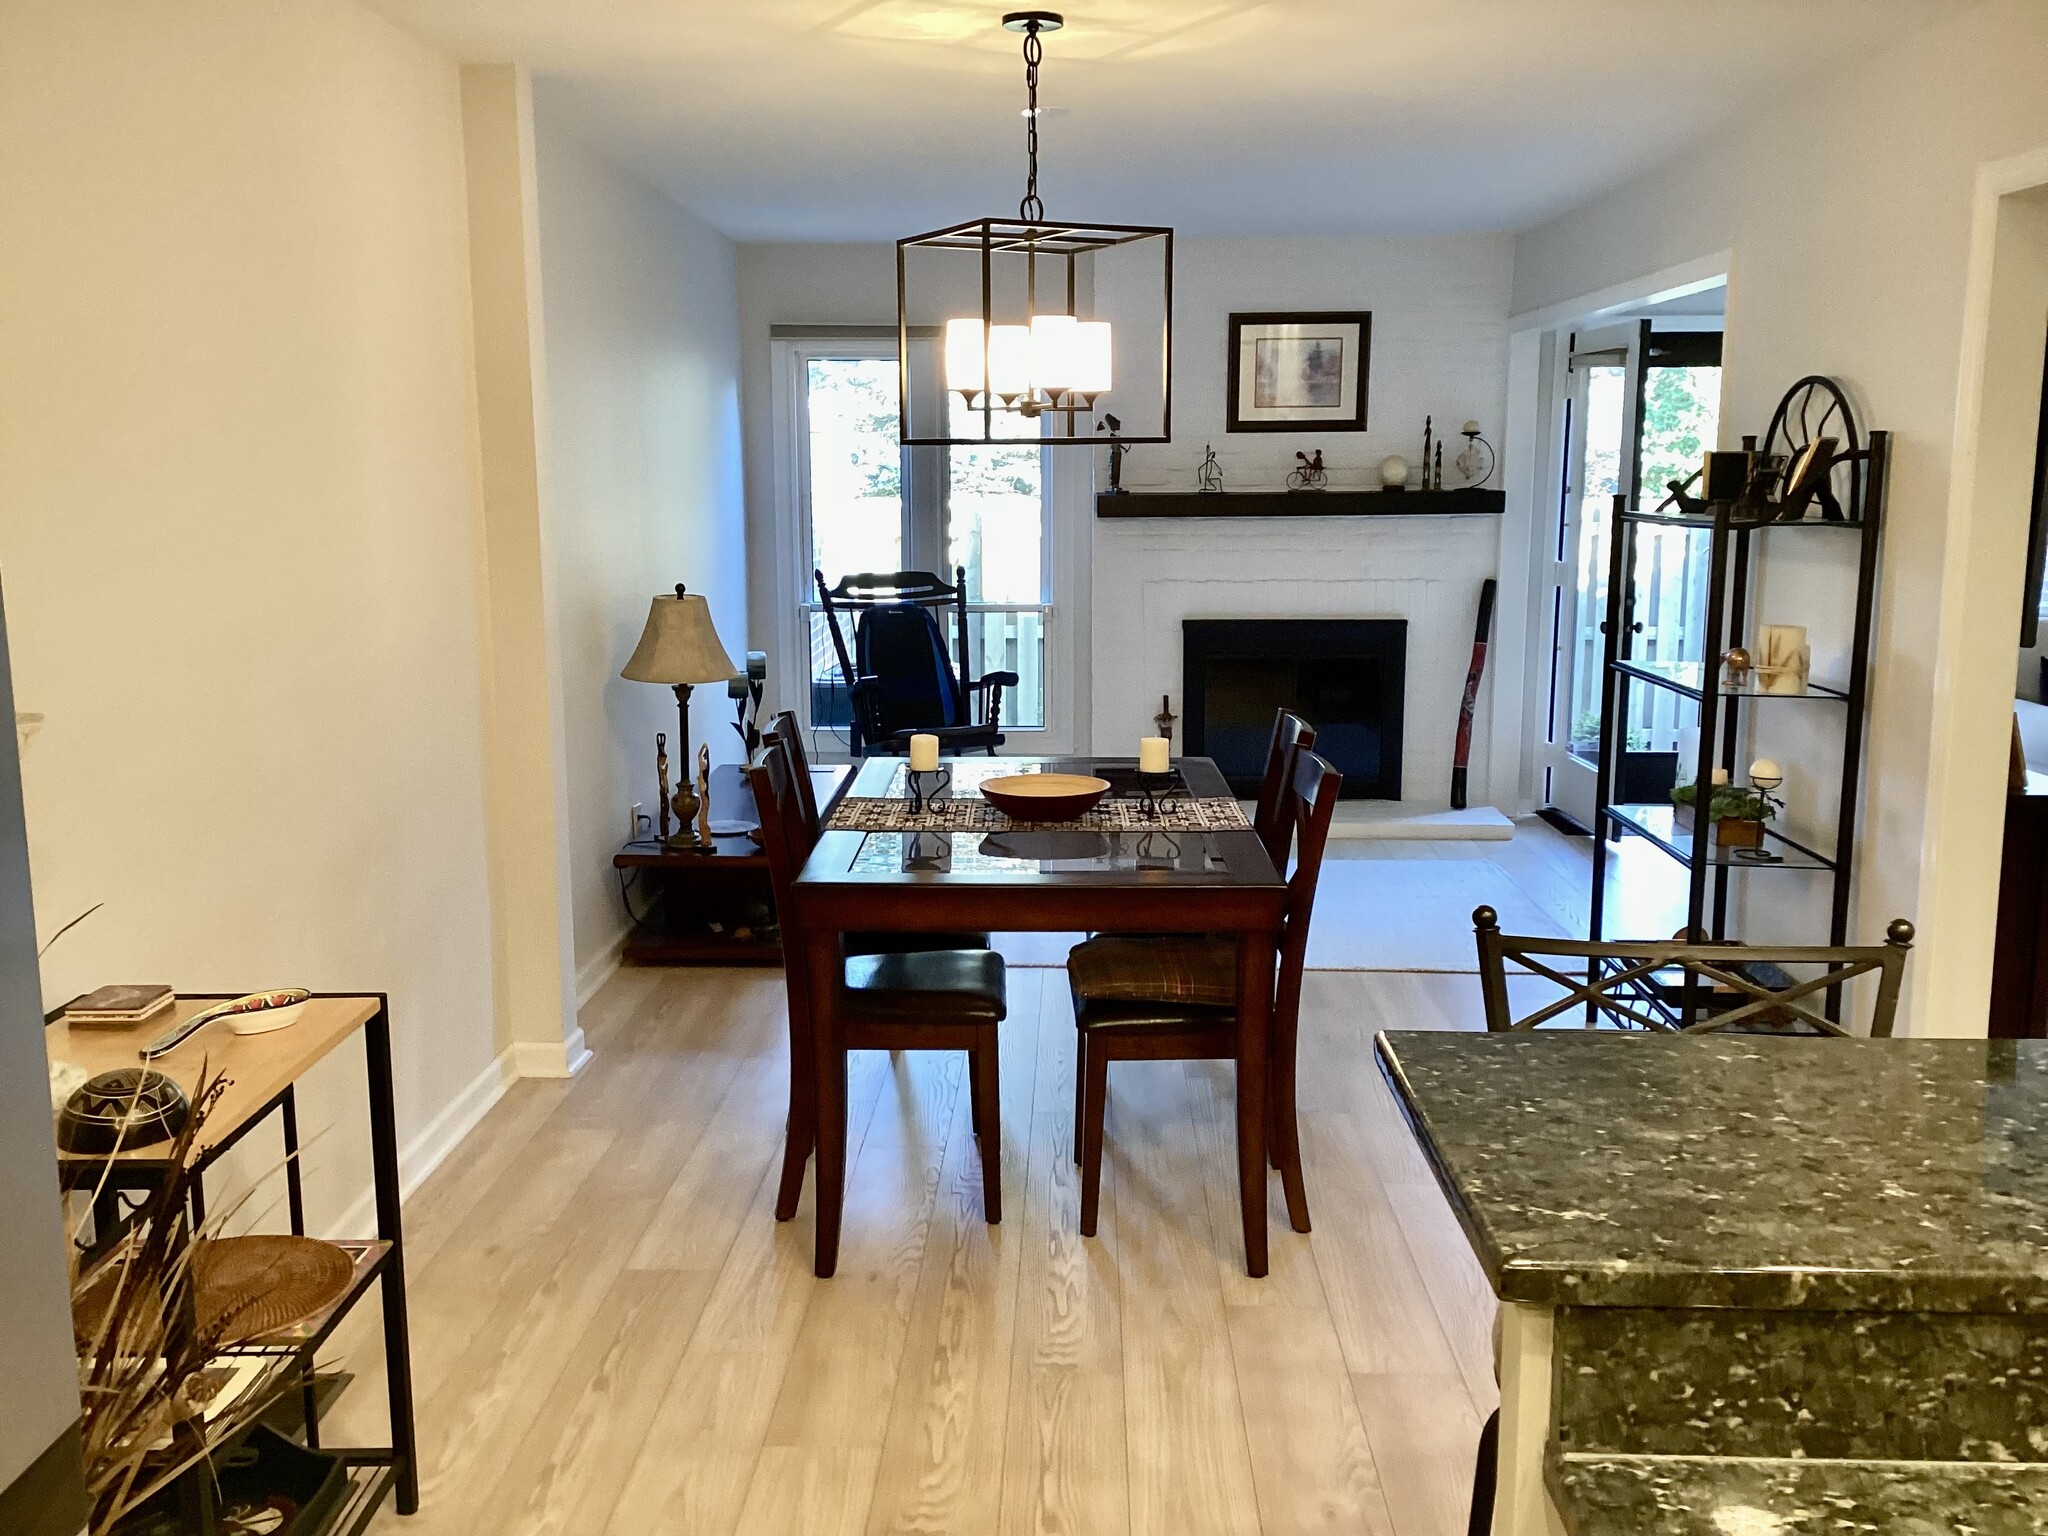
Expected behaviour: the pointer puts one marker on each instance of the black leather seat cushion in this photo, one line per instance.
(934, 984)
(904, 943)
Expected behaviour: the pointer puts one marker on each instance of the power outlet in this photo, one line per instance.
(635, 821)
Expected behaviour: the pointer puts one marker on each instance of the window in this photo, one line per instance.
(864, 503)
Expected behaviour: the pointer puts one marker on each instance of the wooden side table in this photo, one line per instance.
(262, 1071)
(691, 908)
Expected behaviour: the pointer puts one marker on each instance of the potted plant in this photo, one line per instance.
(1738, 812)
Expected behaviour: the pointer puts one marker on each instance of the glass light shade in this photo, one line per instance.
(1053, 339)
(964, 356)
(1009, 359)
(1090, 375)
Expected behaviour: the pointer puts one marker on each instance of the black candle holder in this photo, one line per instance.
(1154, 788)
(922, 790)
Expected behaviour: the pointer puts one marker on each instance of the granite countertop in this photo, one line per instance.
(1721, 1496)
(1601, 1169)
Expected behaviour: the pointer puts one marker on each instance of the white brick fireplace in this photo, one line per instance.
(1150, 574)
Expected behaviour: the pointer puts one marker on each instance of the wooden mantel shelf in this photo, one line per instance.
(1466, 501)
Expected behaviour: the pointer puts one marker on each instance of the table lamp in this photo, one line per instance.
(680, 647)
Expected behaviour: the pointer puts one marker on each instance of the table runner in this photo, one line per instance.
(1117, 814)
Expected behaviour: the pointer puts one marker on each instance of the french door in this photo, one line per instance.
(857, 501)
(1600, 426)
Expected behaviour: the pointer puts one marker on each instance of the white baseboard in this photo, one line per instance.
(546, 1058)
(601, 967)
(430, 1148)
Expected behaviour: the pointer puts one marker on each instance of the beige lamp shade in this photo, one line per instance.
(679, 644)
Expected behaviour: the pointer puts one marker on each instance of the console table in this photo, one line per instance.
(262, 1072)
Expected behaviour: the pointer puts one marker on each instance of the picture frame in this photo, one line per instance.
(1299, 371)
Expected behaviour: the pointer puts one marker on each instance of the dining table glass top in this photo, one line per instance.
(1192, 830)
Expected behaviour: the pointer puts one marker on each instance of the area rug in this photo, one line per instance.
(1376, 915)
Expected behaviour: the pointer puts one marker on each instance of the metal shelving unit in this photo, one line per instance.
(1738, 541)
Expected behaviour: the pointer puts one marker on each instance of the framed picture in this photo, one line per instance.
(1303, 372)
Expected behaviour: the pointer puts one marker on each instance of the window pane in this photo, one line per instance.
(856, 466)
(1010, 642)
(995, 510)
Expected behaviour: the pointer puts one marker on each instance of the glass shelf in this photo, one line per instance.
(1687, 677)
(1735, 525)
(1661, 825)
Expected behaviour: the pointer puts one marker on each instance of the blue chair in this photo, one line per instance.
(898, 676)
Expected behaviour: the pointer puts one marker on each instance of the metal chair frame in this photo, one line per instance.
(1635, 962)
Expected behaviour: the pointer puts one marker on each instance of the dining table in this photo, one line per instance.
(1159, 854)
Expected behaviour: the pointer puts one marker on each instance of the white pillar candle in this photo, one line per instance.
(924, 754)
(1152, 754)
(1720, 775)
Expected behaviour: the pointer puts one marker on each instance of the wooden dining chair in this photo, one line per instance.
(1174, 998)
(924, 1000)
(1643, 984)
(1292, 735)
(785, 735)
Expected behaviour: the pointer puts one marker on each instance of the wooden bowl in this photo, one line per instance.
(1044, 796)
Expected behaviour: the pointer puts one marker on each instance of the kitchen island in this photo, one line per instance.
(1751, 1284)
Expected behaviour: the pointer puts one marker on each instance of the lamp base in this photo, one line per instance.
(685, 839)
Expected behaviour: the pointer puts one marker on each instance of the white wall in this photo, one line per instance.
(238, 521)
(1859, 274)
(1439, 347)
(643, 366)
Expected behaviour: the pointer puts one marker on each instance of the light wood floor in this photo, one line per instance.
(612, 1334)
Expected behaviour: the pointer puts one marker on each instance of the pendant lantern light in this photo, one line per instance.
(1074, 321)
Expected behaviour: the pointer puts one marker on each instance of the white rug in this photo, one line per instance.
(1376, 915)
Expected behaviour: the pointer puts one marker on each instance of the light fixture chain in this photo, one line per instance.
(1031, 210)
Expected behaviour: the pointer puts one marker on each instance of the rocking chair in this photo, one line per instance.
(898, 676)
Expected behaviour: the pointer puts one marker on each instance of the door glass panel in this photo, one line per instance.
(995, 517)
(1681, 418)
(856, 466)
(1600, 440)
(995, 531)
(856, 498)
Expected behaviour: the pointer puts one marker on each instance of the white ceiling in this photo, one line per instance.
(870, 119)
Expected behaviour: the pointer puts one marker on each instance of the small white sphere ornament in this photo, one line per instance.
(1393, 473)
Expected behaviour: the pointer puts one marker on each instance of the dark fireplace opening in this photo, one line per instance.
(1346, 677)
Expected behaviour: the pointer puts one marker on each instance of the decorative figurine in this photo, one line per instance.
(1428, 439)
(704, 798)
(1393, 473)
(1209, 478)
(1436, 479)
(1738, 663)
(1117, 450)
(661, 777)
(1311, 475)
(1164, 719)
(1469, 461)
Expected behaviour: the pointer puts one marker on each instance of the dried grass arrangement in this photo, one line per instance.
(148, 1368)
